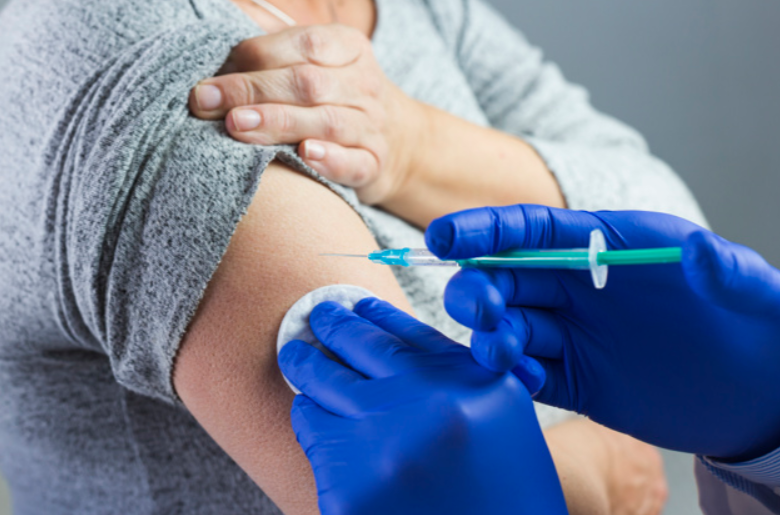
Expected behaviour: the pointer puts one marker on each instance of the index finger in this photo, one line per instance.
(321, 45)
(361, 344)
(489, 230)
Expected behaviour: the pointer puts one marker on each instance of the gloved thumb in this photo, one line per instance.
(730, 275)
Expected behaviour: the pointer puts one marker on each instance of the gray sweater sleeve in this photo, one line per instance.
(148, 201)
(599, 162)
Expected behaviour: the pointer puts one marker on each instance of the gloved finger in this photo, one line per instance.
(473, 300)
(323, 45)
(477, 298)
(533, 332)
(499, 350)
(279, 124)
(556, 390)
(365, 347)
(541, 330)
(531, 373)
(536, 288)
(352, 167)
(730, 275)
(328, 383)
(489, 230)
(308, 420)
(404, 326)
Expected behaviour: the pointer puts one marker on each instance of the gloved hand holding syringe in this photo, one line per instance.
(595, 258)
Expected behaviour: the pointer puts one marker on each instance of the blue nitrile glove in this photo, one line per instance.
(681, 356)
(415, 425)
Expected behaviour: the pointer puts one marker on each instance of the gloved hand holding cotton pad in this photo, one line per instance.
(295, 324)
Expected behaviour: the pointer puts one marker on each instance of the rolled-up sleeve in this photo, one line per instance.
(147, 200)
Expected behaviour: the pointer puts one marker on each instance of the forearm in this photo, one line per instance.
(459, 165)
(580, 461)
(602, 471)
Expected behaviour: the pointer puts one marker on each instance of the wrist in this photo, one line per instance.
(579, 461)
(413, 149)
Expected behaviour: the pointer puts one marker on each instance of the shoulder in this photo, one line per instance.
(73, 39)
(462, 23)
(85, 22)
(449, 17)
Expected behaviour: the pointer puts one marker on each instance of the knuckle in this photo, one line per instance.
(372, 84)
(336, 170)
(359, 176)
(380, 151)
(313, 43)
(246, 89)
(281, 121)
(310, 82)
(366, 169)
(275, 123)
(335, 125)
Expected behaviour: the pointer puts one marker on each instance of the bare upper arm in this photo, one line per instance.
(226, 370)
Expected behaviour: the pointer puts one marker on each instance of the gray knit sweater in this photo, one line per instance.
(116, 207)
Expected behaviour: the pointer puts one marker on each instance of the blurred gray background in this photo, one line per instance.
(700, 79)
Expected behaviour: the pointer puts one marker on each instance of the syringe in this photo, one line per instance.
(595, 258)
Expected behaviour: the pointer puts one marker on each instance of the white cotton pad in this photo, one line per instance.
(295, 324)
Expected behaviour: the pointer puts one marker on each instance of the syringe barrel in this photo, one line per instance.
(576, 259)
(424, 257)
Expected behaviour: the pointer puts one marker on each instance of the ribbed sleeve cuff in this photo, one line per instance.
(764, 470)
(759, 478)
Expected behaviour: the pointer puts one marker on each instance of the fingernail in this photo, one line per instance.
(208, 97)
(246, 119)
(313, 151)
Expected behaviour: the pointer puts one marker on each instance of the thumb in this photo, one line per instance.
(730, 275)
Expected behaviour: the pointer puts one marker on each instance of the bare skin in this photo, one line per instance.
(226, 371)
(604, 472)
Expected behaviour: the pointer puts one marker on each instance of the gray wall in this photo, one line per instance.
(5, 501)
(700, 79)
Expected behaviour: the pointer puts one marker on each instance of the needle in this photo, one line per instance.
(346, 255)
